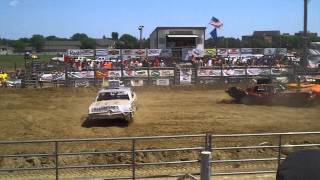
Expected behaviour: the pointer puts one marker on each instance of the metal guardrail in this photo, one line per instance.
(207, 141)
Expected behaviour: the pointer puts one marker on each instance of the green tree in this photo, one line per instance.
(53, 38)
(127, 41)
(37, 41)
(115, 36)
(88, 43)
(19, 45)
(79, 36)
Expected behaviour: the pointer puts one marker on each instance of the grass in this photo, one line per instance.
(9, 62)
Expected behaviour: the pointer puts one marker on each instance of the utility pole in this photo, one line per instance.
(140, 29)
(305, 35)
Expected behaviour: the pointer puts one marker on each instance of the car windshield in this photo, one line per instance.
(112, 96)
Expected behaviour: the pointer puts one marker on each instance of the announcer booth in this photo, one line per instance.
(180, 39)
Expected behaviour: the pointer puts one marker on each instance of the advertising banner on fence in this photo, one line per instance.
(269, 51)
(87, 52)
(162, 82)
(166, 53)
(185, 76)
(154, 52)
(137, 82)
(197, 52)
(134, 52)
(258, 71)
(81, 83)
(281, 71)
(186, 54)
(257, 51)
(113, 53)
(234, 52)
(281, 51)
(234, 72)
(246, 51)
(222, 52)
(135, 73)
(209, 72)
(162, 73)
(74, 52)
(210, 52)
(101, 52)
(81, 74)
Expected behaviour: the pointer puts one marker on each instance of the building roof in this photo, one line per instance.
(266, 33)
(201, 28)
(62, 43)
(104, 42)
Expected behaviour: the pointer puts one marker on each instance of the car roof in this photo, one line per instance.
(118, 89)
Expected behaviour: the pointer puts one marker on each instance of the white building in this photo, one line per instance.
(177, 37)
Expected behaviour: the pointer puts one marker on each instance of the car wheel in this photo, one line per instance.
(129, 118)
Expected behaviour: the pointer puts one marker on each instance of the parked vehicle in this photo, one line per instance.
(114, 103)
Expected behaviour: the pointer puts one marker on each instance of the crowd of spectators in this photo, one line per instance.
(131, 63)
(241, 61)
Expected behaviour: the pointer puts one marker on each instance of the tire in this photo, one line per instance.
(246, 101)
(129, 118)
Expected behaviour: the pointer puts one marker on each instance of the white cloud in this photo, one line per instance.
(13, 3)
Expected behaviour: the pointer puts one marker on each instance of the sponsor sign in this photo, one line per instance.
(234, 72)
(281, 51)
(186, 54)
(222, 52)
(197, 53)
(81, 83)
(101, 52)
(114, 74)
(257, 51)
(246, 50)
(209, 72)
(258, 71)
(154, 52)
(134, 52)
(269, 51)
(81, 74)
(74, 52)
(137, 82)
(166, 53)
(135, 73)
(185, 76)
(161, 73)
(113, 53)
(210, 52)
(234, 51)
(281, 71)
(162, 82)
(87, 52)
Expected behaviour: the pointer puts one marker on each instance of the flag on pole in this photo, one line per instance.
(216, 22)
(214, 34)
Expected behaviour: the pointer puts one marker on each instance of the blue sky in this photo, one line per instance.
(22, 18)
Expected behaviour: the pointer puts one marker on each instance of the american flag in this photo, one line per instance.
(216, 22)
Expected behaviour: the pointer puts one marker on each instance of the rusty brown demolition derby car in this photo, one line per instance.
(267, 93)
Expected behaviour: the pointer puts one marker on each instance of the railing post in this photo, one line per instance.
(279, 149)
(205, 165)
(56, 159)
(94, 76)
(133, 159)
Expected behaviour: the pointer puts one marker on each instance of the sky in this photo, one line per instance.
(63, 18)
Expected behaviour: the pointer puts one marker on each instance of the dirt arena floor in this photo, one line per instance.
(61, 113)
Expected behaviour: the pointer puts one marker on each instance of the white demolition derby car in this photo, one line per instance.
(114, 103)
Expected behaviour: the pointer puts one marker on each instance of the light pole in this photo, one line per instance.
(140, 29)
(305, 34)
